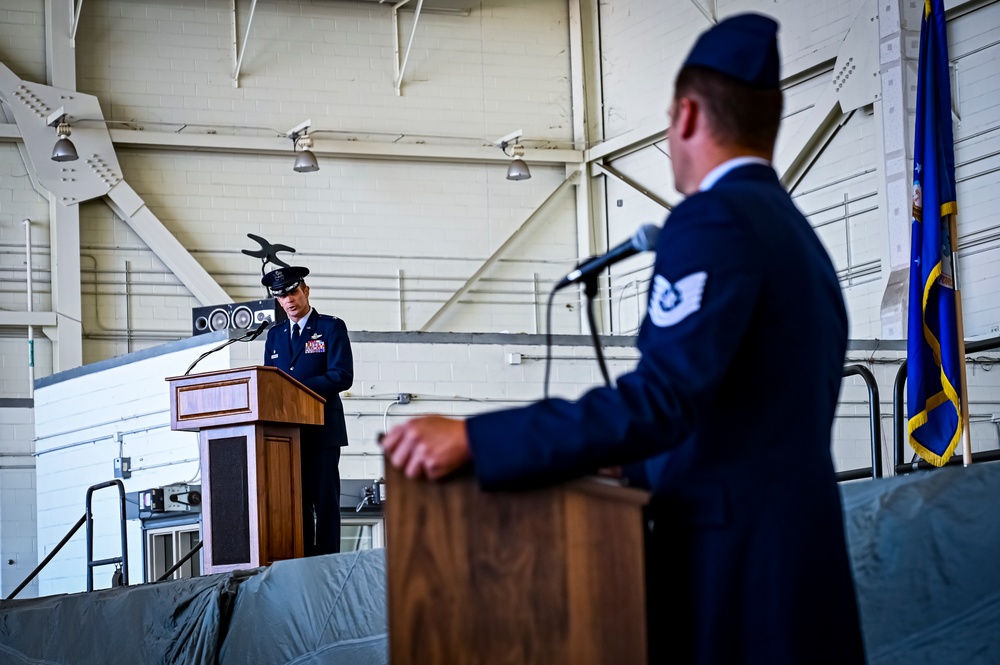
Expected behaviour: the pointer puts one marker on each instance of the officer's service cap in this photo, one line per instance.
(744, 47)
(283, 281)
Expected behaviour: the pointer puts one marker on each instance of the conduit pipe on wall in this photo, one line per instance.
(31, 328)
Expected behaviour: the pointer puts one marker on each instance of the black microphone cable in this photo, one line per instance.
(548, 339)
(246, 337)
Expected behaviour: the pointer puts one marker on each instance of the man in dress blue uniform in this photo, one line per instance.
(727, 416)
(315, 350)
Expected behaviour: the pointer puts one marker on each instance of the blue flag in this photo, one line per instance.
(933, 343)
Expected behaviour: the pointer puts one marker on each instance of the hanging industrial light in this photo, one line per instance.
(518, 169)
(64, 150)
(305, 160)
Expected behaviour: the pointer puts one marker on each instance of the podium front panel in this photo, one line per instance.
(224, 398)
(280, 506)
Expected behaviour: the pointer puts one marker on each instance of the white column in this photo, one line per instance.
(899, 45)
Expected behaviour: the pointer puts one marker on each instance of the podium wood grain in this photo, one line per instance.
(543, 576)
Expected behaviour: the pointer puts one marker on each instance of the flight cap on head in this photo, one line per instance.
(283, 281)
(744, 46)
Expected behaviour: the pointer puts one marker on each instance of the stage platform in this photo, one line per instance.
(924, 549)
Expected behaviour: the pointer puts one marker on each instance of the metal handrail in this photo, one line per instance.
(123, 559)
(55, 550)
(899, 417)
(180, 561)
(874, 416)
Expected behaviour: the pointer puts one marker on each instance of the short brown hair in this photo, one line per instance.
(737, 113)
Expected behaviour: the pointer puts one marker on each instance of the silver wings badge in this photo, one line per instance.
(672, 303)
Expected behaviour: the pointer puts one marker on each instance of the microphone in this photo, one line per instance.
(256, 333)
(246, 337)
(643, 240)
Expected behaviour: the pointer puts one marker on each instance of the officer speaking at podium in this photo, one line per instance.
(727, 417)
(315, 350)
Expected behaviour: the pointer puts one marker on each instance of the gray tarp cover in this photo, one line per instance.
(924, 549)
(310, 613)
(173, 623)
(328, 609)
(926, 554)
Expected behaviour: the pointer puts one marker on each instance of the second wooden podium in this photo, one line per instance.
(247, 421)
(552, 576)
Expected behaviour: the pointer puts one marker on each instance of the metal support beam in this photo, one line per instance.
(587, 96)
(897, 26)
(625, 180)
(820, 124)
(60, 34)
(708, 12)
(401, 67)
(132, 209)
(76, 23)
(25, 319)
(339, 148)
(67, 338)
(495, 256)
(246, 37)
(642, 136)
(64, 216)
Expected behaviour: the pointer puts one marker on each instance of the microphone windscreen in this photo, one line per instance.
(645, 238)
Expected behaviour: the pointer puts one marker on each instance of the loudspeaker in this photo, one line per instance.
(235, 316)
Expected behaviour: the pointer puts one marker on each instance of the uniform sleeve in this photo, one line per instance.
(268, 348)
(705, 287)
(339, 375)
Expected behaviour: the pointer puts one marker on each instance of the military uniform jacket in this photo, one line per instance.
(323, 362)
(727, 416)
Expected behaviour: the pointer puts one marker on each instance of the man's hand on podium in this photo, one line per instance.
(430, 447)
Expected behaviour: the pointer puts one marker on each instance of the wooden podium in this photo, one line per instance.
(551, 576)
(247, 421)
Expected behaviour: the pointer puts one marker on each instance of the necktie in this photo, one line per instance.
(296, 332)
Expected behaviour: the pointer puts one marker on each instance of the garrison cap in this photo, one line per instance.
(283, 281)
(744, 46)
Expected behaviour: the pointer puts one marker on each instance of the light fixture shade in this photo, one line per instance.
(64, 151)
(305, 162)
(518, 170)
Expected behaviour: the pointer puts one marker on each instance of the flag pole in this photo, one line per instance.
(960, 330)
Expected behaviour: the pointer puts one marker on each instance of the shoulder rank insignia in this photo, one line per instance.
(672, 303)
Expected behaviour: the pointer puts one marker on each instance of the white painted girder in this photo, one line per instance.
(132, 209)
(499, 252)
(337, 148)
(25, 319)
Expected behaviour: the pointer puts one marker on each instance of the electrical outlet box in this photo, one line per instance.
(123, 467)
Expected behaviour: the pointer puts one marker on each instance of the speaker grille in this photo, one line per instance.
(235, 316)
(242, 317)
(227, 469)
(218, 319)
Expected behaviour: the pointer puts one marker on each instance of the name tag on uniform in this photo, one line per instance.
(315, 346)
(274, 355)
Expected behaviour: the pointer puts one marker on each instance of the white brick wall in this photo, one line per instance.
(22, 37)
(506, 64)
(19, 201)
(18, 530)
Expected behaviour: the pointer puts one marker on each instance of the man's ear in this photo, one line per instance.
(688, 112)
